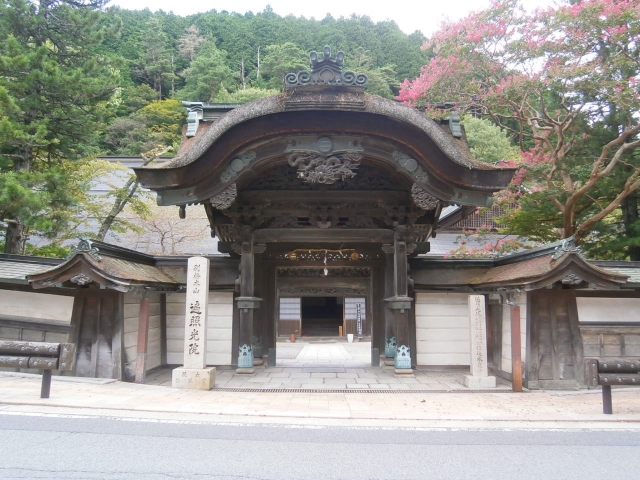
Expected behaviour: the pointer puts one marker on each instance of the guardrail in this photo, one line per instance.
(610, 372)
(43, 356)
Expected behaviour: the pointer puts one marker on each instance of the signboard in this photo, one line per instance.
(359, 319)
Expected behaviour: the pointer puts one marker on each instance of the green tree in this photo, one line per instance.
(488, 143)
(208, 74)
(133, 98)
(381, 80)
(281, 59)
(156, 65)
(244, 96)
(52, 93)
(157, 124)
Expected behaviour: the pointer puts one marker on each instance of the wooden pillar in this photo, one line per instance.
(246, 303)
(400, 302)
(143, 339)
(389, 291)
(516, 349)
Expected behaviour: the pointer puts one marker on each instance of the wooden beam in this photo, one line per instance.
(516, 349)
(143, 340)
(318, 235)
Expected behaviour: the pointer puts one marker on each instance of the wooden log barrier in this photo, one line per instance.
(43, 356)
(611, 372)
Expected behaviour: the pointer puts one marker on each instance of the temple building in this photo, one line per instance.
(323, 201)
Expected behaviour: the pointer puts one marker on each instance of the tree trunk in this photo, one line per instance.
(14, 237)
(629, 207)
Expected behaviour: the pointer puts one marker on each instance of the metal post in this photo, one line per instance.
(46, 384)
(607, 406)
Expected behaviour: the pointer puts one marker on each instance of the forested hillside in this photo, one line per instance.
(79, 80)
(162, 58)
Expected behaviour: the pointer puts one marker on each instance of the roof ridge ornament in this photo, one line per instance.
(568, 245)
(85, 246)
(325, 70)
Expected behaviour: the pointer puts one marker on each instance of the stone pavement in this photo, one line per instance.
(331, 366)
(441, 401)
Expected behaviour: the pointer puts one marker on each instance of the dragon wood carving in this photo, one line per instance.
(314, 168)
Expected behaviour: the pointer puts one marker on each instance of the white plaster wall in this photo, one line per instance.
(521, 300)
(36, 305)
(614, 310)
(219, 328)
(442, 329)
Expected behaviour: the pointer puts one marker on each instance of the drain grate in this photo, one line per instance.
(351, 390)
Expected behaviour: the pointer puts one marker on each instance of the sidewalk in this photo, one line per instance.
(20, 393)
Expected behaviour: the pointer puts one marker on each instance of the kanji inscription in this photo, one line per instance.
(195, 335)
(478, 331)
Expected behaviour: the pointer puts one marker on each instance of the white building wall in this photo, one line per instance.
(521, 300)
(36, 305)
(442, 329)
(219, 328)
(40, 306)
(614, 310)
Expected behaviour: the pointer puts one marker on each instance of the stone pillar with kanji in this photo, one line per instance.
(479, 377)
(195, 374)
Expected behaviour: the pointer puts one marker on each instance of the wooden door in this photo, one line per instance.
(555, 352)
(98, 333)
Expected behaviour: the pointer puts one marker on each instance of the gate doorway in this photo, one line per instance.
(317, 316)
(322, 316)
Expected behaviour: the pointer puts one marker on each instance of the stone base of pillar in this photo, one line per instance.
(194, 378)
(258, 361)
(390, 362)
(472, 381)
(245, 370)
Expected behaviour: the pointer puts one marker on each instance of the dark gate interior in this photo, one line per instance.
(321, 316)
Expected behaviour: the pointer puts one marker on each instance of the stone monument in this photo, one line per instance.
(479, 377)
(195, 374)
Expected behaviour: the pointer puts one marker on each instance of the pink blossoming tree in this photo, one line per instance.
(553, 78)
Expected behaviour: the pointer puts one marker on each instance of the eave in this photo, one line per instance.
(263, 126)
(122, 275)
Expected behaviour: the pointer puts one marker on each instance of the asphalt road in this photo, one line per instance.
(44, 447)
